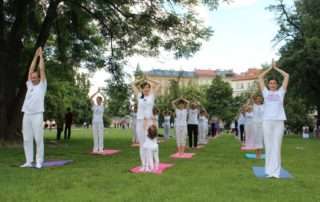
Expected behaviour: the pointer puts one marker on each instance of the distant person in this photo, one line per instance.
(241, 124)
(193, 124)
(97, 123)
(59, 124)
(33, 108)
(166, 124)
(68, 119)
(181, 105)
(203, 127)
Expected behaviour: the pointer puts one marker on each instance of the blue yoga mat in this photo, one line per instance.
(253, 156)
(55, 163)
(260, 173)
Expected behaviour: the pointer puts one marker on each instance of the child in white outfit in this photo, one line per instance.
(150, 151)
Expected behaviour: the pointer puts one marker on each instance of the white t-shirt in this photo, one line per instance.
(193, 116)
(273, 104)
(34, 100)
(97, 116)
(181, 117)
(167, 119)
(145, 107)
(203, 121)
(257, 113)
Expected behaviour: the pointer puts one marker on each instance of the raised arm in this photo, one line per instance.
(33, 63)
(285, 77)
(261, 78)
(136, 87)
(41, 65)
(155, 85)
(92, 96)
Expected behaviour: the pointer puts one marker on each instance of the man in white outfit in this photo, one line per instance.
(33, 108)
(273, 120)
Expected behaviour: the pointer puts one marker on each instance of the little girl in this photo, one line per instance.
(166, 125)
(150, 151)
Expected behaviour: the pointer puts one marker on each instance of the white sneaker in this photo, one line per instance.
(38, 165)
(26, 165)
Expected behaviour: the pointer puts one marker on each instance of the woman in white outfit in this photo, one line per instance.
(203, 127)
(166, 124)
(181, 105)
(248, 128)
(273, 120)
(257, 122)
(145, 91)
(97, 123)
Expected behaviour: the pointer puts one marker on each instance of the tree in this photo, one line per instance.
(220, 100)
(300, 30)
(76, 33)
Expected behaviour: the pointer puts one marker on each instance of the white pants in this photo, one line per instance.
(166, 130)
(134, 130)
(150, 158)
(203, 132)
(32, 128)
(258, 135)
(142, 131)
(249, 137)
(98, 133)
(181, 135)
(273, 133)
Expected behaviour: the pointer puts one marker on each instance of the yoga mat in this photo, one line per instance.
(244, 148)
(259, 172)
(162, 167)
(107, 152)
(253, 156)
(182, 156)
(135, 145)
(54, 163)
(200, 146)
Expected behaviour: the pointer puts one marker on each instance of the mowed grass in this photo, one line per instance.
(218, 172)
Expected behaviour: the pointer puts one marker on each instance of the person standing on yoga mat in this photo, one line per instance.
(181, 105)
(97, 122)
(146, 91)
(33, 108)
(203, 127)
(248, 128)
(193, 122)
(273, 119)
(257, 125)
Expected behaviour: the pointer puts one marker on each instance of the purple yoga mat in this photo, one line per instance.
(55, 163)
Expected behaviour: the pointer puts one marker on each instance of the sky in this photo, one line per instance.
(242, 39)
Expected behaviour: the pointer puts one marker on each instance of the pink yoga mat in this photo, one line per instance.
(244, 148)
(162, 168)
(182, 156)
(106, 152)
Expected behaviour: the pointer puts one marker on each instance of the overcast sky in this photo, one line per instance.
(243, 33)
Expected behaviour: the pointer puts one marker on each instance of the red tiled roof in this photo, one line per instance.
(250, 74)
(205, 72)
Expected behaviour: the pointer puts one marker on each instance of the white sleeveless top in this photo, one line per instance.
(181, 117)
(145, 107)
(167, 119)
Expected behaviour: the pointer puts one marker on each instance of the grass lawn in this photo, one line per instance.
(218, 172)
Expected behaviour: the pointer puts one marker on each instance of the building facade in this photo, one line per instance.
(240, 83)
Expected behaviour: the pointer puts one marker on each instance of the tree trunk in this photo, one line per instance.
(11, 95)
